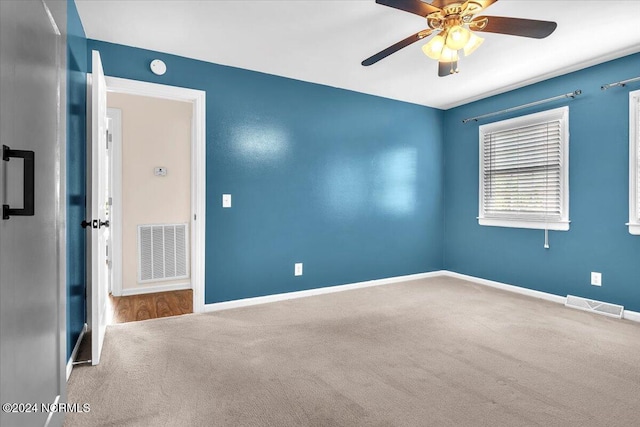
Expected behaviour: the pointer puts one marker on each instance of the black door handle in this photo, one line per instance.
(28, 190)
(96, 223)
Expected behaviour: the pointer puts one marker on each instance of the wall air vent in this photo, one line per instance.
(604, 308)
(163, 252)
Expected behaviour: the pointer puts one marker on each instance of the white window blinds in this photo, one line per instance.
(634, 162)
(523, 171)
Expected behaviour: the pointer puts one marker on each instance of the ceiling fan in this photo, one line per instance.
(454, 22)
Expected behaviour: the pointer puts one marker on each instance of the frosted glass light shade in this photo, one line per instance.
(434, 47)
(457, 37)
(473, 43)
(448, 55)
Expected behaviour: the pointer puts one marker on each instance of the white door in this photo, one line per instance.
(100, 208)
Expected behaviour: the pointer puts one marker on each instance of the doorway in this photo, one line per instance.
(126, 264)
(191, 234)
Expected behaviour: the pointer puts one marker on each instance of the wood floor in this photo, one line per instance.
(151, 306)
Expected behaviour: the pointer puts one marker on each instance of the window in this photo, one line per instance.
(634, 162)
(524, 171)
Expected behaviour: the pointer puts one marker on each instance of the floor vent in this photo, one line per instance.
(162, 252)
(604, 308)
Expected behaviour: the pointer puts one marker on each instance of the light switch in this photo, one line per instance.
(226, 200)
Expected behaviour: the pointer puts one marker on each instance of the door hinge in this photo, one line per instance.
(108, 139)
(194, 217)
(110, 201)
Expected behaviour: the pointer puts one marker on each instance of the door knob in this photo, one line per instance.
(94, 223)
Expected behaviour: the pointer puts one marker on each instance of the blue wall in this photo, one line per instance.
(599, 195)
(349, 184)
(76, 134)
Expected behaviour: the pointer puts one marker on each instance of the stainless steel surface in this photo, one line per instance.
(32, 273)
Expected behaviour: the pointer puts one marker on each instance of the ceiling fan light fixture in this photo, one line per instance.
(457, 37)
(479, 23)
(473, 43)
(448, 55)
(433, 49)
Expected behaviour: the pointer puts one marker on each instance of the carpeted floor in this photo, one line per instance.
(434, 352)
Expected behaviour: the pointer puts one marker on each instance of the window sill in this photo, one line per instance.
(536, 225)
(634, 229)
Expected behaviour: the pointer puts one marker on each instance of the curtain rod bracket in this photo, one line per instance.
(621, 83)
(572, 95)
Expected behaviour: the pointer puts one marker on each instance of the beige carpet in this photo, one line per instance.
(436, 352)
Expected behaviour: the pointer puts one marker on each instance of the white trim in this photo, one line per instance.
(157, 288)
(560, 114)
(115, 114)
(317, 291)
(627, 314)
(510, 288)
(535, 225)
(198, 168)
(74, 352)
(633, 316)
(634, 146)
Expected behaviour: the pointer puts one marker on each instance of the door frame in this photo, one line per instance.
(198, 177)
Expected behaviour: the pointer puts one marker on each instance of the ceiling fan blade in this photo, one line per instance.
(447, 68)
(396, 47)
(485, 3)
(411, 6)
(517, 26)
(443, 3)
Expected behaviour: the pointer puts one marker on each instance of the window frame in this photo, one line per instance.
(562, 224)
(634, 162)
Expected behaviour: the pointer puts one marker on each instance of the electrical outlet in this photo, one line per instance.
(297, 269)
(596, 278)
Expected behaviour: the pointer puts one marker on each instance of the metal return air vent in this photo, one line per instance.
(604, 308)
(162, 252)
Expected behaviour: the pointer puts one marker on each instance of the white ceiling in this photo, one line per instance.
(324, 41)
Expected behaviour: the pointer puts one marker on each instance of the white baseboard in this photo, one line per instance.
(74, 352)
(628, 315)
(156, 288)
(318, 291)
(633, 316)
(510, 288)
